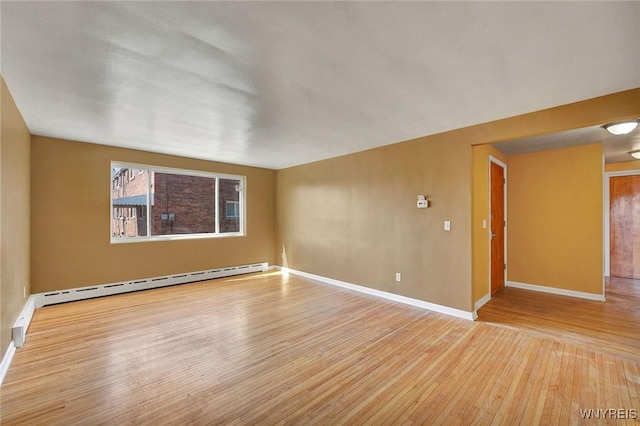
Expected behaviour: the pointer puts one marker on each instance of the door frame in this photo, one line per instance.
(493, 159)
(607, 207)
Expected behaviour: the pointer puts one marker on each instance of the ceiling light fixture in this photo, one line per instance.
(621, 128)
(635, 154)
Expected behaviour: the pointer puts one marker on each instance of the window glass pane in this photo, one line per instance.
(129, 201)
(182, 204)
(229, 205)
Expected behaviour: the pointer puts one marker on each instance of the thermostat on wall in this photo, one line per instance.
(422, 202)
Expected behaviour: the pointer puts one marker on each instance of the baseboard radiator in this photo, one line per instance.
(19, 330)
(70, 295)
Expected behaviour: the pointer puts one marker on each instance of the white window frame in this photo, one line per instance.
(170, 170)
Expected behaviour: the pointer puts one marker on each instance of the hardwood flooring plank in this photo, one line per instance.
(270, 349)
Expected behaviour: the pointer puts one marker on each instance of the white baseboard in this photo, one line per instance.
(6, 361)
(554, 290)
(81, 293)
(385, 295)
(480, 303)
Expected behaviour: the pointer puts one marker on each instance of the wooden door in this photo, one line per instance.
(497, 227)
(624, 226)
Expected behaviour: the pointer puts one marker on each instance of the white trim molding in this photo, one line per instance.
(555, 290)
(472, 316)
(480, 303)
(6, 361)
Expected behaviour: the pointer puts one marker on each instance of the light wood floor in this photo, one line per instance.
(612, 327)
(266, 349)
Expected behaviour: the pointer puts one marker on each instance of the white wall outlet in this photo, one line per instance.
(398, 277)
(447, 225)
(484, 224)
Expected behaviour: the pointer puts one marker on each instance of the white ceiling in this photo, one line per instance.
(615, 148)
(276, 84)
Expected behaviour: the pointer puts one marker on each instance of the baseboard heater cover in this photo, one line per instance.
(71, 295)
(19, 330)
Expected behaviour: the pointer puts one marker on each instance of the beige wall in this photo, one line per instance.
(480, 200)
(71, 229)
(354, 218)
(14, 217)
(555, 218)
(622, 167)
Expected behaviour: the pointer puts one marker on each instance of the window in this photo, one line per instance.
(165, 203)
(233, 209)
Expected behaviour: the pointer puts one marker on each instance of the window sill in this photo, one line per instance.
(176, 237)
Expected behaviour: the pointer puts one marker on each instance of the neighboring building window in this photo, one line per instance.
(164, 202)
(233, 209)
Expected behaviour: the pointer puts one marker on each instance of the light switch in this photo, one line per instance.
(447, 225)
(484, 224)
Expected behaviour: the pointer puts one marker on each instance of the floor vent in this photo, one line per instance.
(54, 297)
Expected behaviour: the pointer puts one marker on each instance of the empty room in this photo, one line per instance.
(319, 213)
